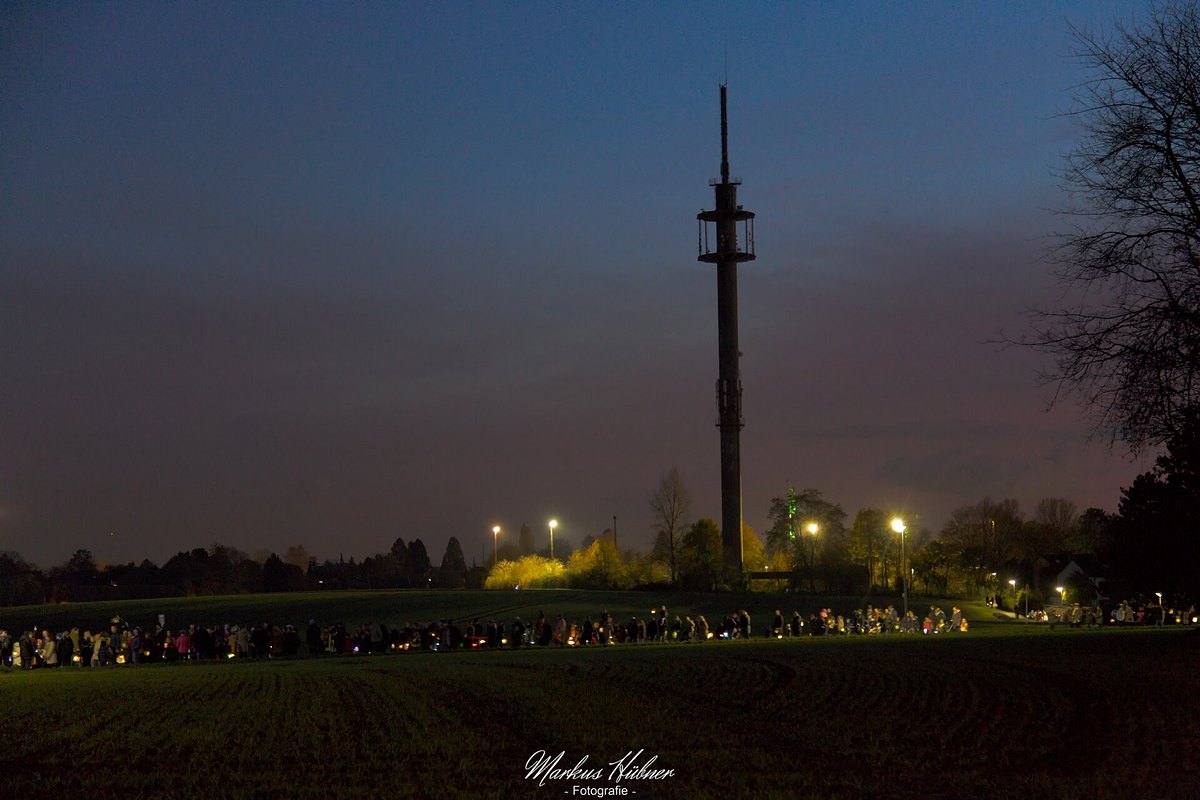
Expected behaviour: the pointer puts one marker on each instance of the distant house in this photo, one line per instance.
(1057, 569)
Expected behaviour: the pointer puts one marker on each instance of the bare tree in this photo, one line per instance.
(1126, 335)
(984, 536)
(670, 503)
(1058, 514)
(867, 539)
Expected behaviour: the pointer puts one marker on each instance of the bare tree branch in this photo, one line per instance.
(1126, 341)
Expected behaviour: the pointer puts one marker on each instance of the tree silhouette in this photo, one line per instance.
(454, 566)
(669, 504)
(1155, 547)
(1126, 337)
(418, 559)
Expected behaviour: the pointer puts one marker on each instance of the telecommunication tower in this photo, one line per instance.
(719, 243)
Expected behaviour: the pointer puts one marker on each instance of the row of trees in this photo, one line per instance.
(810, 541)
(217, 570)
(810, 544)
(221, 569)
(694, 562)
(1149, 545)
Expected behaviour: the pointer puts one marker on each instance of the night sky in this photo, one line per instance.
(329, 274)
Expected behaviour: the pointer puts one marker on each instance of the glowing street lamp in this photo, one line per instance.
(495, 545)
(553, 525)
(899, 527)
(1061, 594)
(1162, 612)
(811, 528)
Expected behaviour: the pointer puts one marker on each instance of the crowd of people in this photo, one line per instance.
(878, 620)
(1124, 613)
(123, 644)
(1075, 616)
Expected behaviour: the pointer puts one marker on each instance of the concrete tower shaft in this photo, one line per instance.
(725, 221)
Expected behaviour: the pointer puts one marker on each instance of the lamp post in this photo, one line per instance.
(1013, 583)
(495, 545)
(1162, 612)
(812, 529)
(553, 525)
(899, 527)
(1062, 597)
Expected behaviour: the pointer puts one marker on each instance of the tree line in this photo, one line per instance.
(811, 545)
(221, 569)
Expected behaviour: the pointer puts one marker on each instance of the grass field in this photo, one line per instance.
(1014, 711)
(400, 607)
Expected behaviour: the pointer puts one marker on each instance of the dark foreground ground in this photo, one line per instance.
(1011, 713)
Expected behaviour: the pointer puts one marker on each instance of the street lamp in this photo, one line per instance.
(495, 545)
(1013, 583)
(553, 525)
(1061, 596)
(899, 527)
(812, 528)
(1162, 612)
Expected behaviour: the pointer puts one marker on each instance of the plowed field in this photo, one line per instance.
(1067, 714)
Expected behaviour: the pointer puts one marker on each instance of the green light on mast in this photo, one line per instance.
(791, 512)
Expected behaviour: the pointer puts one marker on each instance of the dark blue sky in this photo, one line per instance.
(332, 274)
